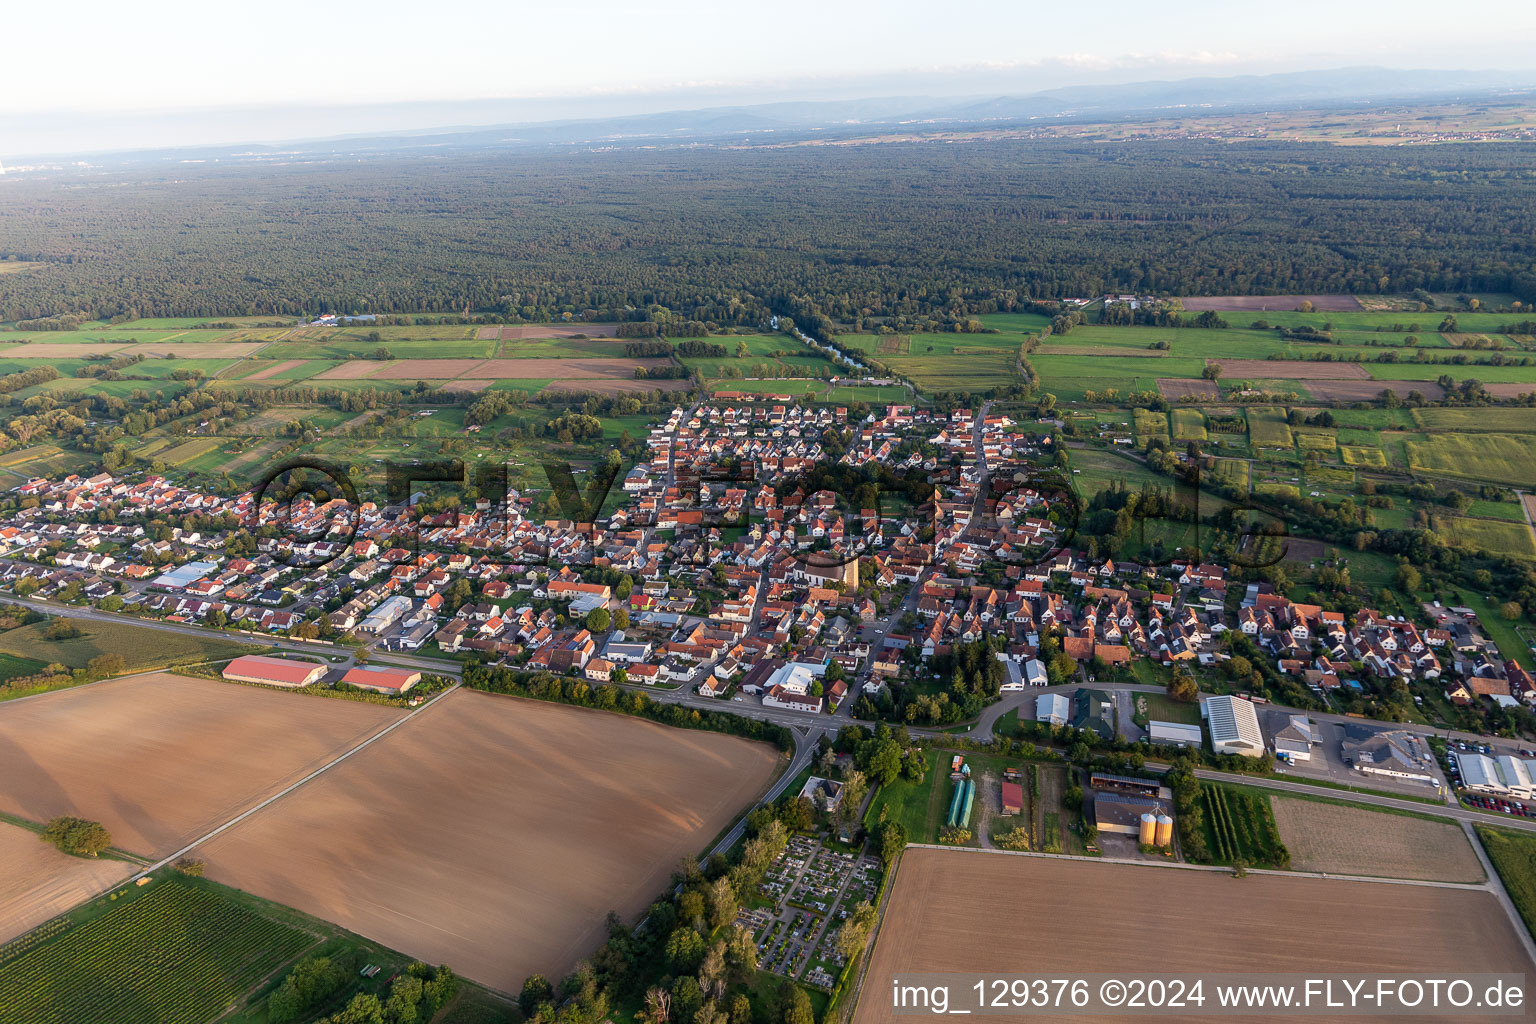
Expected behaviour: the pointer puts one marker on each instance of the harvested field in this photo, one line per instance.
(352, 369)
(967, 912)
(616, 387)
(494, 833)
(199, 350)
(1289, 369)
(1354, 841)
(524, 331)
(468, 386)
(65, 349)
(160, 759)
(1367, 390)
(1176, 388)
(894, 344)
(1506, 388)
(550, 369)
(424, 369)
(275, 369)
(40, 883)
(1277, 303)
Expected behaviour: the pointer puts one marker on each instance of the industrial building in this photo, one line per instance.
(382, 679)
(1397, 754)
(1052, 708)
(1174, 734)
(183, 575)
(386, 614)
(1497, 776)
(289, 672)
(1233, 725)
(1292, 737)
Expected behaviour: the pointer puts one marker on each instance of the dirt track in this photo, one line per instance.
(952, 911)
(495, 834)
(160, 759)
(40, 883)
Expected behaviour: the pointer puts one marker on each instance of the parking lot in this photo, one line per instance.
(1488, 802)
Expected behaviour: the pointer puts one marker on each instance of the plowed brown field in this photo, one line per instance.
(160, 759)
(40, 883)
(495, 834)
(955, 911)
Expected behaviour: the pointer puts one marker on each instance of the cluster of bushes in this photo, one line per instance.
(415, 995)
(77, 836)
(27, 378)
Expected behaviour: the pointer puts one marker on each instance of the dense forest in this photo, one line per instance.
(730, 235)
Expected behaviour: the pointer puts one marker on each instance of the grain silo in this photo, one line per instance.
(1164, 830)
(1148, 828)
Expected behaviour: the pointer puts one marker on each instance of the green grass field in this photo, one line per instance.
(1150, 425)
(1499, 537)
(178, 953)
(1267, 428)
(1519, 420)
(1360, 455)
(918, 806)
(1189, 425)
(14, 666)
(142, 647)
(1497, 458)
(1315, 440)
(1231, 471)
(1514, 858)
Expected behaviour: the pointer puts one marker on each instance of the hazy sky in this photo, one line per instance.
(69, 63)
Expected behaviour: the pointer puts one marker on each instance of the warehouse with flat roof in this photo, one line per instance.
(1233, 725)
(289, 672)
(1173, 734)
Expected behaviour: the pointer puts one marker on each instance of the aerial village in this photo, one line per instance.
(719, 571)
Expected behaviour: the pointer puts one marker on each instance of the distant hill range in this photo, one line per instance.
(1338, 89)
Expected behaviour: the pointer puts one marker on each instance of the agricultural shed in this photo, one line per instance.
(382, 679)
(1174, 734)
(1120, 814)
(291, 672)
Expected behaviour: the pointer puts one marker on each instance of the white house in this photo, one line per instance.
(1053, 708)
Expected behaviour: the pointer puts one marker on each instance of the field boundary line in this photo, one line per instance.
(237, 819)
(1212, 868)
